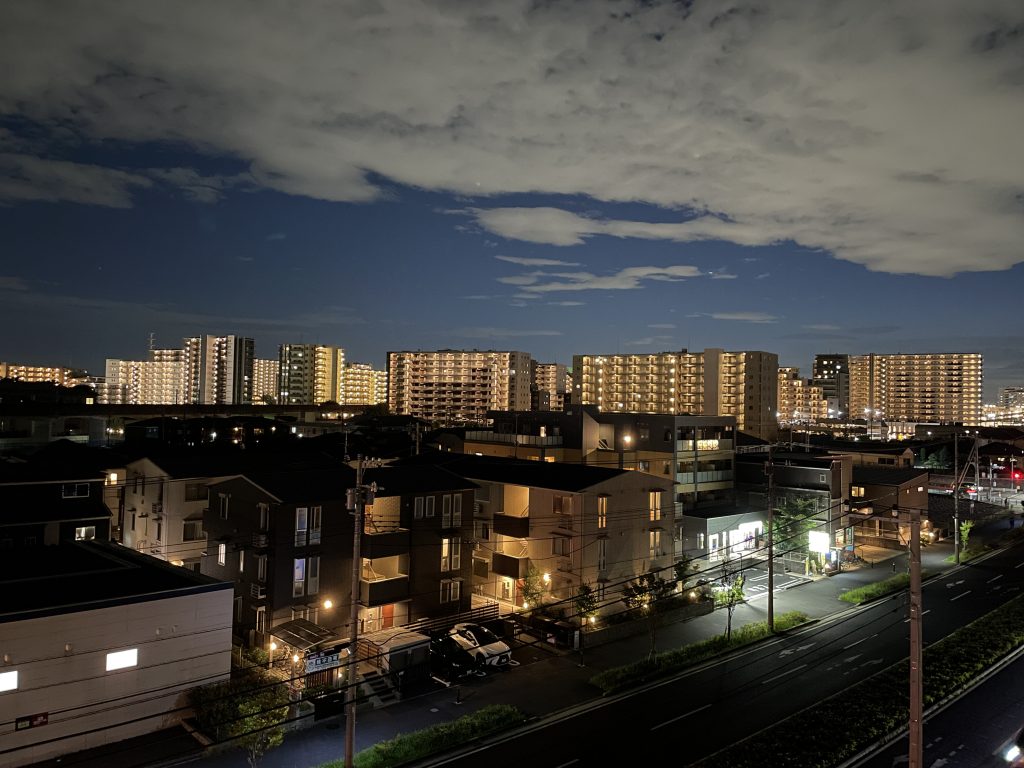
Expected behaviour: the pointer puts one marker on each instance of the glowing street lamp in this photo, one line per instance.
(273, 647)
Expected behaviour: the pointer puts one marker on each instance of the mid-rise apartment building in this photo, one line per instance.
(219, 369)
(552, 386)
(709, 383)
(832, 374)
(362, 384)
(265, 380)
(310, 373)
(799, 400)
(452, 386)
(162, 379)
(65, 377)
(934, 388)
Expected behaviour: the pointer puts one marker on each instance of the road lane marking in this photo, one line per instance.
(659, 725)
(794, 669)
(1018, 565)
(566, 765)
(994, 578)
(960, 595)
(848, 647)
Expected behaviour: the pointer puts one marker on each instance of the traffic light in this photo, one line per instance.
(1017, 475)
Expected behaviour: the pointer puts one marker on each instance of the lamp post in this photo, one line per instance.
(626, 441)
(273, 647)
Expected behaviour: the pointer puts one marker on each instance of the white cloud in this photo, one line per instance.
(821, 327)
(566, 303)
(500, 333)
(626, 279)
(763, 275)
(9, 283)
(648, 341)
(30, 178)
(200, 188)
(881, 132)
(528, 262)
(662, 325)
(745, 317)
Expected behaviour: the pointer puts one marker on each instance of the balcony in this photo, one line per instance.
(517, 527)
(384, 590)
(509, 566)
(258, 591)
(260, 540)
(388, 544)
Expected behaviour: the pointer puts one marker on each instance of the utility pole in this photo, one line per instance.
(356, 500)
(769, 470)
(956, 493)
(916, 672)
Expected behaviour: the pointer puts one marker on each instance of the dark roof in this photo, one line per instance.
(85, 575)
(941, 508)
(86, 458)
(302, 634)
(868, 475)
(559, 476)
(398, 481)
(299, 483)
(45, 471)
(199, 463)
(29, 504)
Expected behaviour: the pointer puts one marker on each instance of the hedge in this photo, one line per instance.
(881, 588)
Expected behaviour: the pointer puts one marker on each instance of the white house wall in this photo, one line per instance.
(182, 642)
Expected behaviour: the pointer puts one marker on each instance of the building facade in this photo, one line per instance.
(265, 377)
(832, 373)
(219, 369)
(709, 383)
(362, 384)
(65, 377)
(800, 401)
(932, 388)
(552, 386)
(458, 386)
(310, 373)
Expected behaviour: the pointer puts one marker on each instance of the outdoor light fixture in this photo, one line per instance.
(547, 578)
(328, 604)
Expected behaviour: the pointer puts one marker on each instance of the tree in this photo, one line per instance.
(683, 568)
(586, 603)
(533, 587)
(643, 596)
(965, 533)
(729, 597)
(791, 522)
(247, 709)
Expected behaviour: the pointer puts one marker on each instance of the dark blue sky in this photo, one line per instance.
(560, 179)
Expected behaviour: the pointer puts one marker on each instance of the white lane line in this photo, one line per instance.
(692, 712)
(566, 765)
(994, 578)
(960, 595)
(907, 621)
(848, 647)
(1019, 565)
(794, 669)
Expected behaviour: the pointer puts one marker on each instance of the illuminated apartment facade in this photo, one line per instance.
(552, 385)
(709, 383)
(160, 380)
(219, 369)
(264, 381)
(362, 384)
(800, 401)
(310, 373)
(65, 377)
(451, 386)
(932, 388)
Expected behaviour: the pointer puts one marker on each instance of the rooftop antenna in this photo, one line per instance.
(152, 341)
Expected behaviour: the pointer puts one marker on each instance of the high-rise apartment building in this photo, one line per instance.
(709, 383)
(800, 401)
(1011, 397)
(832, 374)
(452, 386)
(551, 386)
(931, 388)
(65, 377)
(219, 369)
(160, 380)
(265, 381)
(362, 384)
(310, 373)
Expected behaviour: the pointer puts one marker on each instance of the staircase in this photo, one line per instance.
(376, 687)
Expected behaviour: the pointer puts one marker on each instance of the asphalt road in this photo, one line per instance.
(698, 713)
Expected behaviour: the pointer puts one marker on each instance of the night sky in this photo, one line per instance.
(554, 177)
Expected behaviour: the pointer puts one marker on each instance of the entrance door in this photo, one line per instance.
(387, 616)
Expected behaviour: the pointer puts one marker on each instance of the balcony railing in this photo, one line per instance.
(721, 476)
(384, 590)
(510, 439)
(508, 525)
(389, 544)
(509, 566)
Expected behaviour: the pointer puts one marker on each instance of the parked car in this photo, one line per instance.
(449, 660)
(1012, 753)
(481, 643)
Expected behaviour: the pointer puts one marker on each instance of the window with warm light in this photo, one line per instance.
(222, 554)
(122, 659)
(857, 491)
(85, 533)
(654, 504)
(9, 681)
(602, 512)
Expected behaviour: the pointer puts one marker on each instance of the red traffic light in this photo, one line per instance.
(1017, 475)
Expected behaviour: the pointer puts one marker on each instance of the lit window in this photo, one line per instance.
(602, 512)
(857, 491)
(222, 554)
(9, 681)
(122, 659)
(86, 533)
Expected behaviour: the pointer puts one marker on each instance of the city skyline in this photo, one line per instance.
(539, 178)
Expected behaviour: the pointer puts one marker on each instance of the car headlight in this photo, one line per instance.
(1012, 753)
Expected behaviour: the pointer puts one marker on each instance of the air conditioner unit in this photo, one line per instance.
(258, 591)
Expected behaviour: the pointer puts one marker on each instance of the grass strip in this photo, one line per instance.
(881, 588)
(630, 675)
(407, 747)
(836, 730)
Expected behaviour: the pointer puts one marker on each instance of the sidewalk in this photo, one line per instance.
(550, 680)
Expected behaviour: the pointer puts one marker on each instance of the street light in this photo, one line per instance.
(626, 441)
(273, 647)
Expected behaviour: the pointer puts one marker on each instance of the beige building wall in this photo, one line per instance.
(709, 383)
(311, 373)
(933, 388)
(458, 386)
(265, 381)
(65, 377)
(362, 384)
(799, 400)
